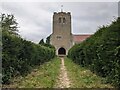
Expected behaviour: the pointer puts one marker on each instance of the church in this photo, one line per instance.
(62, 38)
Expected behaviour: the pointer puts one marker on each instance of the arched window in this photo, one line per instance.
(59, 20)
(64, 20)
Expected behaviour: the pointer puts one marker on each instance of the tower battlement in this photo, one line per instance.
(62, 13)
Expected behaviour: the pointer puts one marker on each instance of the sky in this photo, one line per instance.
(35, 18)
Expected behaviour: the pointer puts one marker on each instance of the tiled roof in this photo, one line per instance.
(80, 38)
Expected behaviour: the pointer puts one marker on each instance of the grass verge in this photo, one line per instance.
(82, 77)
(43, 76)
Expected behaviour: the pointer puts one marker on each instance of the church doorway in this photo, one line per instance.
(61, 51)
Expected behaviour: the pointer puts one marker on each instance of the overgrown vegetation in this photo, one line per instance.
(101, 53)
(47, 43)
(43, 76)
(19, 55)
(81, 77)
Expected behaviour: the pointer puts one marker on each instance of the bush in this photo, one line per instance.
(101, 52)
(19, 55)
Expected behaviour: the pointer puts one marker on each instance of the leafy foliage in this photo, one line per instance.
(19, 55)
(9, 24)
(47, 43)
(101, 52)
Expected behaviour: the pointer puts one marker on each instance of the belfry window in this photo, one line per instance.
(64, 20)
(59, 20)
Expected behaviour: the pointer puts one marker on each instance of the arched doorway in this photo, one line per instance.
(61, 51)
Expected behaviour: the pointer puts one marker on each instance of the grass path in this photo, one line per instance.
(43, 76)
(59, 74)
(81, 77)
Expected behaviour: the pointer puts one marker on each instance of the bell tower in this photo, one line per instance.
(61, 38)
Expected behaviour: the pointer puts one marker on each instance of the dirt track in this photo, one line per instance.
(63, 80)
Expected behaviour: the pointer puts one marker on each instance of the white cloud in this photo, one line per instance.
(35, 18)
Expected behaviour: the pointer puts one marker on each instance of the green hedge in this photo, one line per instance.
(101, 52)
(19, 56)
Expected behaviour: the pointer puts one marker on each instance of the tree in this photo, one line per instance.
(8, 23)
(48, 39)
(41, 42)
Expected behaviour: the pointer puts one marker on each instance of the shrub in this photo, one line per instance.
(19, 55)
(101, 52)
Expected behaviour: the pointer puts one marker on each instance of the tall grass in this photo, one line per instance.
(43, 76)
(82, 77)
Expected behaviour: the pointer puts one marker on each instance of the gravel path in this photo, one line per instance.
(63, 80)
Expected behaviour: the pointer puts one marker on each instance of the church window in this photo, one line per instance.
(58, 37)
(64, 20)
(59, 20)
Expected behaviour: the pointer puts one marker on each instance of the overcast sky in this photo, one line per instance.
(35, 18)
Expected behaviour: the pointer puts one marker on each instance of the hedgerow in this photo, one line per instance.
(18, 54)
(101, 52)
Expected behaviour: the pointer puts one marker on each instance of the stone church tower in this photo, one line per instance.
(61, 38)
